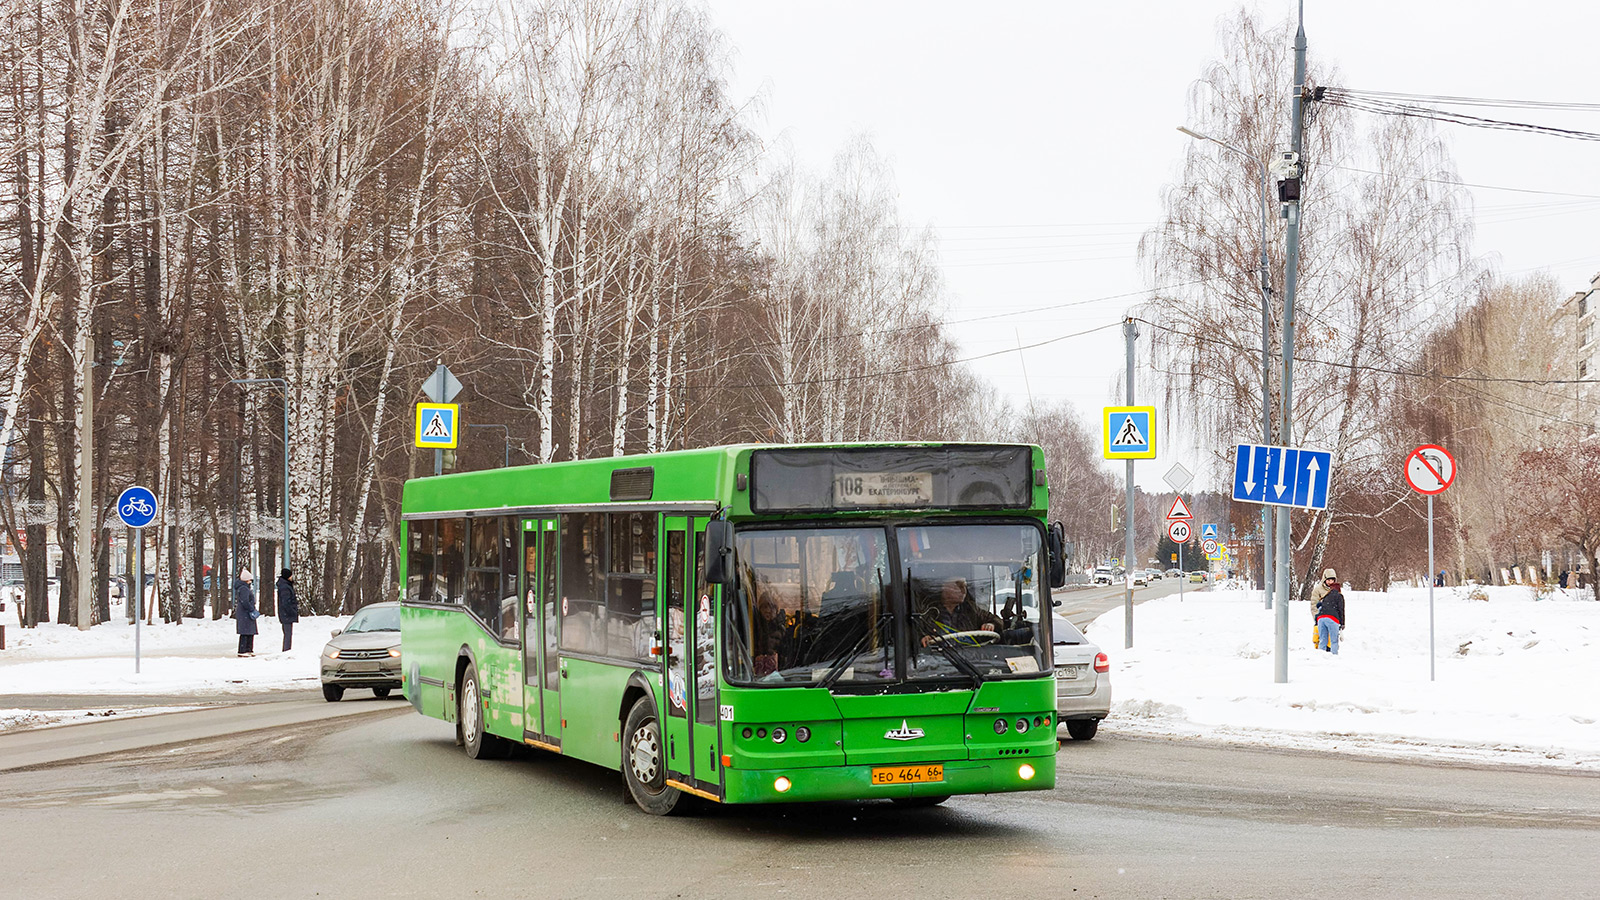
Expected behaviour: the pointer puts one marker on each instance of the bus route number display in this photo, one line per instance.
(883, 489)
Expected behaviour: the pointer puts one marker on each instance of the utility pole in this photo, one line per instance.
(1289, 194)
(86, 541)
(1129, 332)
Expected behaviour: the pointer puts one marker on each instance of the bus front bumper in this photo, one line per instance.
(978, 776)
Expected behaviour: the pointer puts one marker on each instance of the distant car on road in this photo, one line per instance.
(1103, 575)
(364, 653)
(1174, 573)
(1083, 681)
(1197, 577)
(1141, 578)
(1155, 574)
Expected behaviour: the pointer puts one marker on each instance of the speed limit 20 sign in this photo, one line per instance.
(1179, 531)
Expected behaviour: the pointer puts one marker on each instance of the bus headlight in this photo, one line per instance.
(1025, 772)
(1000, 726)
(802, 734)
(1022, 725)
(779, 735)
(781, 785)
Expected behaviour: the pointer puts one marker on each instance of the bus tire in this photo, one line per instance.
(480, 744)
(643, 767)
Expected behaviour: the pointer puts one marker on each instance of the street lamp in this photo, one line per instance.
(1266, 357)
(285, 385)
(507, 463)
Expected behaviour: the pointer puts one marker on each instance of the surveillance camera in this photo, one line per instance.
(1286, 164)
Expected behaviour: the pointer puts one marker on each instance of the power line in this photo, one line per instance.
(1368, 102)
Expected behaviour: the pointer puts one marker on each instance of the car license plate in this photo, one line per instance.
(1069, 672)
(365, 665)
(908, 774)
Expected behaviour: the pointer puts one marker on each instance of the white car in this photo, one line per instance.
(1103, 575)
(1083, 681)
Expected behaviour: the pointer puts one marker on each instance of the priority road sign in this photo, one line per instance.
(1281, 476)
(1130, 432)
(1430, 469)
(442, 386)
(1179, 510)
(438, 425)
(1179, 531)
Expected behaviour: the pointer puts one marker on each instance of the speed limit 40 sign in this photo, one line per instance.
(1179, 531)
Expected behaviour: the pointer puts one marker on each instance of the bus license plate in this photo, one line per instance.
(908, 774)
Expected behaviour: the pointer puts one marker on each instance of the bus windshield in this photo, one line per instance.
(827, 606)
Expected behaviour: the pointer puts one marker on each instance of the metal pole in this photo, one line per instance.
(438, 391)
(1129, 332)
(138, 595)
(86, 537)
(1290, 277)
(1182, 575)
(1267, 573)
(1431, 654)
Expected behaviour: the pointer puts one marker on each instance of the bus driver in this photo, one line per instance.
(956, 610)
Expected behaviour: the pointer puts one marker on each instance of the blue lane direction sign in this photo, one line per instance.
(1281, 476)
(137, 507)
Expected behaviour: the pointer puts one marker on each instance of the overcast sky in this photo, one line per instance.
(1036, 137)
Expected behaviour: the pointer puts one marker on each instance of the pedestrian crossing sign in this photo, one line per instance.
(1130, 432)
(438, 425)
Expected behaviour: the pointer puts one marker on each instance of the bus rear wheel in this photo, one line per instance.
(643, 767)
(480, 744)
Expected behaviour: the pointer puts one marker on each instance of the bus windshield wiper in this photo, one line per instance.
(840, 664)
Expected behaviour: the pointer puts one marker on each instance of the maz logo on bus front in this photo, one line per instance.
(904, 733)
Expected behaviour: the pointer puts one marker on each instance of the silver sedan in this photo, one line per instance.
(1083, 681)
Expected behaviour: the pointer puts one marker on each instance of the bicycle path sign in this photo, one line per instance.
(137, 507)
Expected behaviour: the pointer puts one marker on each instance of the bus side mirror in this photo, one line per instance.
(1058, 557)
(719, 546)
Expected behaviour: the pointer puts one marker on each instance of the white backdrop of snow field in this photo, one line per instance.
(1518, 677)
(198, 658)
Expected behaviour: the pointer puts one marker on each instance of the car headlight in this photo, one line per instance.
(394, 652)
(331, 652)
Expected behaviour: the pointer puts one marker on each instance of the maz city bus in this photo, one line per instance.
(746, 624)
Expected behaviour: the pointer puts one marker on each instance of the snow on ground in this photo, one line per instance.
(198, 658)
(1517, 676)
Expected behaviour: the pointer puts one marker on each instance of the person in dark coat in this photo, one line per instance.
(955, 610)
(1330, 619)
(244, 612)
(288, 607)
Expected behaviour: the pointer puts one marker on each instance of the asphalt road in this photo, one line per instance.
(1082, 605)
(382, 804)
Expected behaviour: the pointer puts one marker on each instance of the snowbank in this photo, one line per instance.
(198, 658)
(1516, 675)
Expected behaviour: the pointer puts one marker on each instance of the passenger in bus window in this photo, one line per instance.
(955, 610)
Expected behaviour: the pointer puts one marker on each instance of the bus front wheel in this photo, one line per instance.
(480, 744)
(643, 766)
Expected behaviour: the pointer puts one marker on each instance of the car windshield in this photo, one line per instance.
(1064, 632)
(374, 618)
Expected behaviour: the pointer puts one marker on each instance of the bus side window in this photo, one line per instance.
(450, 569)
(419, 560)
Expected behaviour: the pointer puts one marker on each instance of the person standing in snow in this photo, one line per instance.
(244, 612)
(1330, 619)
(288, 607)
(1329, 579)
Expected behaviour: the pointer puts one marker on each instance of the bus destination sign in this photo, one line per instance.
(883, 489)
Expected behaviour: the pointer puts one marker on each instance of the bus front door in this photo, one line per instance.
(702, 666)
(541, 682)
(675, 661)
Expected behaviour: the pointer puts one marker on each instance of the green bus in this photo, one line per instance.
(746, 624)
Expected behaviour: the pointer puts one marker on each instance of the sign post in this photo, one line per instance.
(1429, 470)
(137, 507)
(1178, 530)
(1130, 434)
(441, 387)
